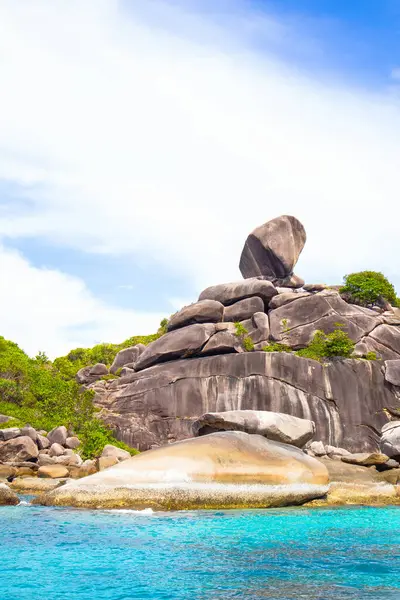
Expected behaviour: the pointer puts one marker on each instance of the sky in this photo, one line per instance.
(142, 141)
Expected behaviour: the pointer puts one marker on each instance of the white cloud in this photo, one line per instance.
(47, 310)
(171, 144)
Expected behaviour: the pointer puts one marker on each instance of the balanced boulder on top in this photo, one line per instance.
(273, 249)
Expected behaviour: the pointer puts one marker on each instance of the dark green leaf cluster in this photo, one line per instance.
(368, 288)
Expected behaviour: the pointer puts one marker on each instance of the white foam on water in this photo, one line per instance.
(24, 503)
(144, 512)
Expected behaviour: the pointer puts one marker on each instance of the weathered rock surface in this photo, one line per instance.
(243, 309)
(205, 311)
(58, 435)
(365, 459)
(274, 426)
(345, 399)
(18, 449)
(392, 371)
(273, 249)
(126, 356)
(113, 451)
(175, 344)
(53, 471)
(7, 496)
(9, 433)
(222, 470)
(228, 293)
(223, 342)
(42, 442)
(258, 327)
(286, 298)
(390, 440)
(89, 375)
(295, 324)
(389, 337)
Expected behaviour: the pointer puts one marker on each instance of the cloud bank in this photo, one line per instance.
(166, 136)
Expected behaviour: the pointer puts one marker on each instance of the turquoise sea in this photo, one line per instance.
(293, 553)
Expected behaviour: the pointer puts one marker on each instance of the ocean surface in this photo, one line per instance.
(292, 553)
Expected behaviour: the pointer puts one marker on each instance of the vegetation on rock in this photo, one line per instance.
(368, 288)
(328, 345)
(243, 335)
(35, 391)
(276, 347)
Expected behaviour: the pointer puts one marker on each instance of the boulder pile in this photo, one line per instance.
(27, 453)
(234, 349)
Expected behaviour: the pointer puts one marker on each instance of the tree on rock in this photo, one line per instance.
(368, 288)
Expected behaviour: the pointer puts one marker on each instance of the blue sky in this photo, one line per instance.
(141, 142)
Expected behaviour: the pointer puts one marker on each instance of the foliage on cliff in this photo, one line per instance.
(36, 391)
(328, 345)
(367, 288)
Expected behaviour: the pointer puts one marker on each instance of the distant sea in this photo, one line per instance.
(291, 553)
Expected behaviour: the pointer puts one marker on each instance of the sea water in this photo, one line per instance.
(291, 553)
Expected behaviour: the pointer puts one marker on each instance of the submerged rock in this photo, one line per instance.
(274, 426)
(222, 470)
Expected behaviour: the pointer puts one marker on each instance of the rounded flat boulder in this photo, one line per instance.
(222, 470)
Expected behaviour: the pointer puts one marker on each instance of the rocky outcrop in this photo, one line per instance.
(89, 375)
(18, 449)
(222, 470)
(273, 249)
(235, 349)
(345, 399)
(274, 426)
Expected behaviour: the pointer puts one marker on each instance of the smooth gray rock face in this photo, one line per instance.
(113, 451)
(244, 309)
(295, 324)
(228, 293)
(72, 442)
(9, 433)
(89, 375)
(345, 398)
(388, 336)
(126, 356)
(223, 342)
(58, 435)
(56, 450)
(282, 299)
(392, 371)
(390, 440)
(187, 341)
(257, 327)
(274, 426)
(273, 249)
(18, 449)
(205, 311)
(293, 282)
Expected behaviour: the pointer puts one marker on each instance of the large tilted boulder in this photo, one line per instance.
(273, 249)
(126, 356)
(18, 449)
(58, 435)
(7, 496)
(295, 323)
(244, 309)
(175, 344)
(205, 311)
(229, 293)
(390, 439)
(223, 342)
(274, 426)
(223, 470)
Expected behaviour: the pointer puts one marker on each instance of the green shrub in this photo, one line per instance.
(367, 287)
(242, 333)
(335, 344)
(108, 377)
(276, 347)
(371, 356)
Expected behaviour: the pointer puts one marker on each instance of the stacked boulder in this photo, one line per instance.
(212, 357)
(25, 452)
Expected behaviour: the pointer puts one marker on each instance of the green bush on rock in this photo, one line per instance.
(368, 288)
(242, 333)
(276, 347)
(323, 345)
